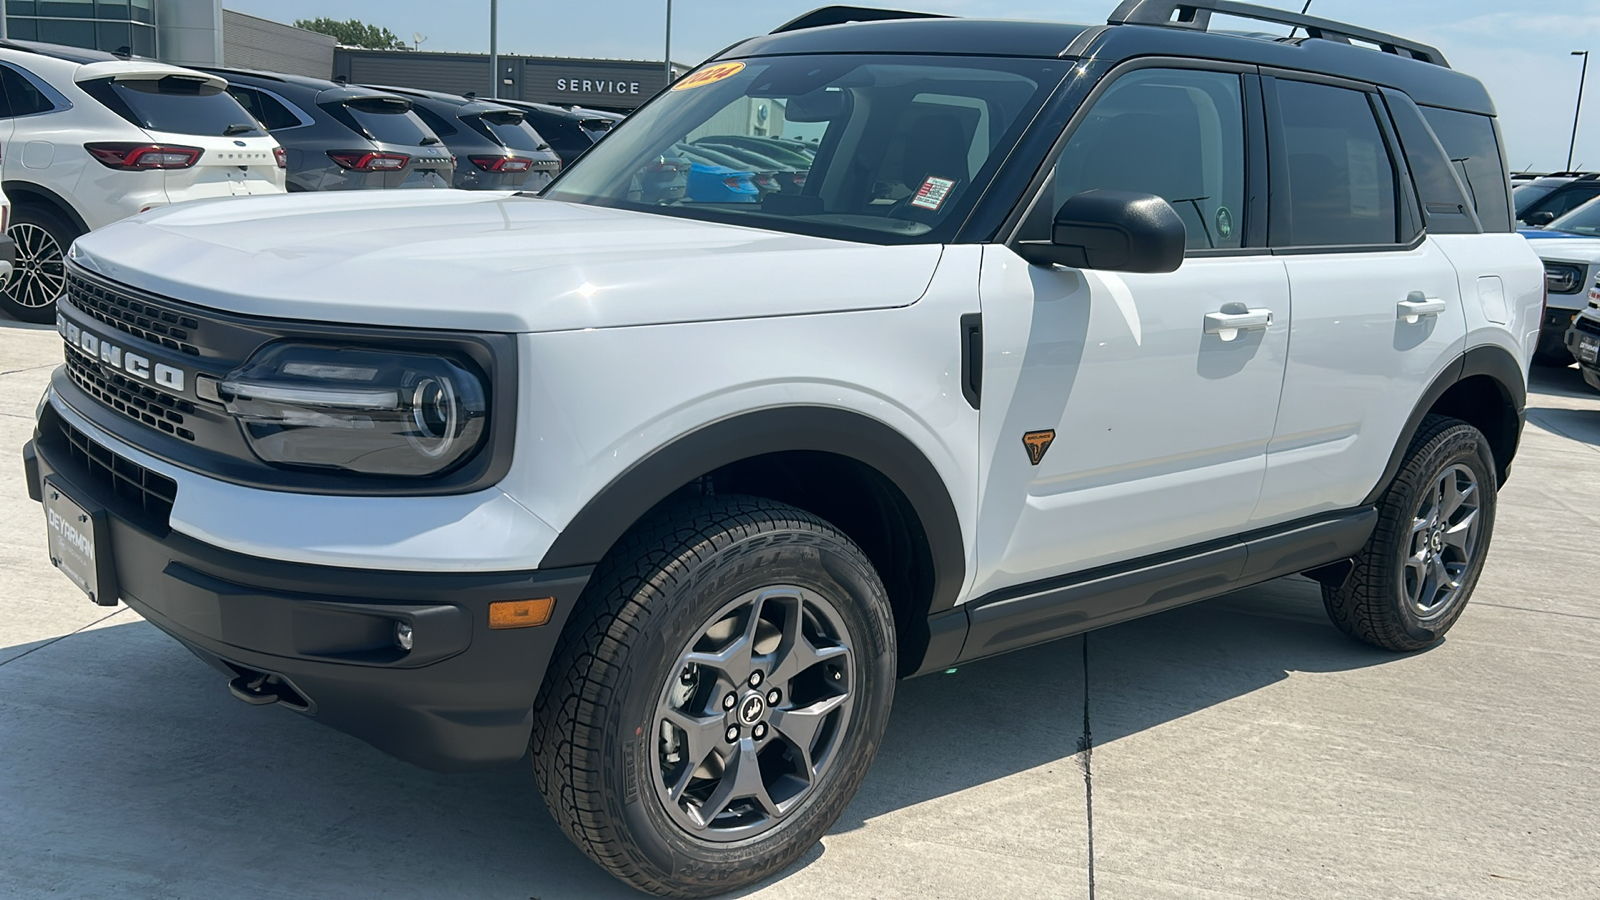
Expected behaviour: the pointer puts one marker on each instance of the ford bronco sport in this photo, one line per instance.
(1063, 325)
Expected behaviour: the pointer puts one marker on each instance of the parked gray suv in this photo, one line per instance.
(340, 137)
(495, 147)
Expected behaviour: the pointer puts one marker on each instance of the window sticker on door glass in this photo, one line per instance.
(1366, 200)
(932, 193)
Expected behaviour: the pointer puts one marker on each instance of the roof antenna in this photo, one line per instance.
(123, 52)
(341, 80)
(471, 95)
(1303, 10)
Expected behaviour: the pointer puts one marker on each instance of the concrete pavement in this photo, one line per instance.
(1236, 748)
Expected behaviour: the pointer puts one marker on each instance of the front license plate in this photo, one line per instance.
(1588, 350)
(79, 543)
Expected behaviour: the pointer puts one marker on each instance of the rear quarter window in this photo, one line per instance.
(175, 104)
(1474, 149)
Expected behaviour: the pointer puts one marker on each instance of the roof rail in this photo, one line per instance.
(839, 15)
(1196, 15)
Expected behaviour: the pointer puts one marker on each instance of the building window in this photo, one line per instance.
(110, 35)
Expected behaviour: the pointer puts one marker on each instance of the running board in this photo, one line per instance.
(1041, 611)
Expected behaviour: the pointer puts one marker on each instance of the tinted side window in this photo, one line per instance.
(1175, 133)
(1474, 148)
(21, 96)
(441, 126)
(1564, 201)
(267, 110)
(1341, 181)
(1445, 207)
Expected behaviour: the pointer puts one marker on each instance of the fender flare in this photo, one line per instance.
(17, 190)
(1492, 361)
(643, 485)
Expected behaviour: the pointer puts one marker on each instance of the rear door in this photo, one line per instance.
(1377, 304)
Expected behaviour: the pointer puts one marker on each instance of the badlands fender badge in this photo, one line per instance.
(1037, 443)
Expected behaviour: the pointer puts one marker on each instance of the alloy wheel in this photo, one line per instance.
(40, 273)
(1444, 540)
(752, 716)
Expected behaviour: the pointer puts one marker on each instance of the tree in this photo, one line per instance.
(354, 33)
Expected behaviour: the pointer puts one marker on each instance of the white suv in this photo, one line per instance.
(90, 139)
(668, 481)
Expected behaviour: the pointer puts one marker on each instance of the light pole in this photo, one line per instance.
(1578, 110)
(494, 49)
(668, 63)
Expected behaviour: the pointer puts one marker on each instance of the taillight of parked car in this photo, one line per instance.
(144, 156)
(502, 163)
(368, 161)
(282, 156)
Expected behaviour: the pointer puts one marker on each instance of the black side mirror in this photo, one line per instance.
(1541, 218)
(1122, 231)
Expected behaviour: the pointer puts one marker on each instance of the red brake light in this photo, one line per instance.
(502, 163)
(368, 161)
(282, 156)
(144, 156)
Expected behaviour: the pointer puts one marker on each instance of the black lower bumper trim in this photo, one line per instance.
(324, 638)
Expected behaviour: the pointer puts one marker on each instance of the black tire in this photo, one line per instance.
(598, 743)
(42, 237)
(1377, 602)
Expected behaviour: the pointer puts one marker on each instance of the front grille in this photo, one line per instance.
(129, 397)
(137, 316)
(1586, 324)
(153, 493)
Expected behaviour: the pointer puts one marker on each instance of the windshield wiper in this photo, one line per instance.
(232, 130)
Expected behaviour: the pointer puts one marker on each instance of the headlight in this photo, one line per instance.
(367, 411)
(1561, 278)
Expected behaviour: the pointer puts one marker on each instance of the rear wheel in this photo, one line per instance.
(1417, 571)
(42, 237)
(716, 703)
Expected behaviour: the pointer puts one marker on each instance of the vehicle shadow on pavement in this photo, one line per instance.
(8, 322)
(1562, 381)
(1026, 709)
(131, 771)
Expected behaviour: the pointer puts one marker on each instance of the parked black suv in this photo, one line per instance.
(339, 137)
(1547, 198)
(495, 147)
(570, 130)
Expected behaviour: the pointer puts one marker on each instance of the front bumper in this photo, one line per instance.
(461, 698)
(1585, 327)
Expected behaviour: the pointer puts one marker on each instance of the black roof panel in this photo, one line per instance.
(963, 37)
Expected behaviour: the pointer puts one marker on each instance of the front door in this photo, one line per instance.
(1125, 415)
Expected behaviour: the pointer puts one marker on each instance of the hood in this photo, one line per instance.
(1563, 245)
(489, 262)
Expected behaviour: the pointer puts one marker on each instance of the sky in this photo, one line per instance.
(1518, 48)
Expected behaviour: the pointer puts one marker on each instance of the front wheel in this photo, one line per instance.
(1417, 571)
(40, 274)
(716, 702)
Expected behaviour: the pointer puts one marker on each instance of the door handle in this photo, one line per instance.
(1234, 318)
(1416, 305)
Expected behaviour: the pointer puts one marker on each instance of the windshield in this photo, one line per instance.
(1524, 196)
(1583, 220)
(885, 149)
(176, 104)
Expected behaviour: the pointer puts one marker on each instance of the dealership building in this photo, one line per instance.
(202, 33)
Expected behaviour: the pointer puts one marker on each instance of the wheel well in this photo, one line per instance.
(22, 193)
(1485, 404)
(861, 502)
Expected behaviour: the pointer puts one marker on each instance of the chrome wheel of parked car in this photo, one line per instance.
(40, 273)
(1444, 541)
(750, 722)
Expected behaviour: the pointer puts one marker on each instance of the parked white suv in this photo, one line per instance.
(669, 483)
(90, 139)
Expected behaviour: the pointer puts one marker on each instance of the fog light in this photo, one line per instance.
(402, 635)
(521, 613)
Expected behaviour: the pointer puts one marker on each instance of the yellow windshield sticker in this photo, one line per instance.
(709, 75)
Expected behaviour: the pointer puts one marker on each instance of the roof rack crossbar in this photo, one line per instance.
(840, 15)
(1196, 15)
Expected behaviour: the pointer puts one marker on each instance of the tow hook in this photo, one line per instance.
(262, 689)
